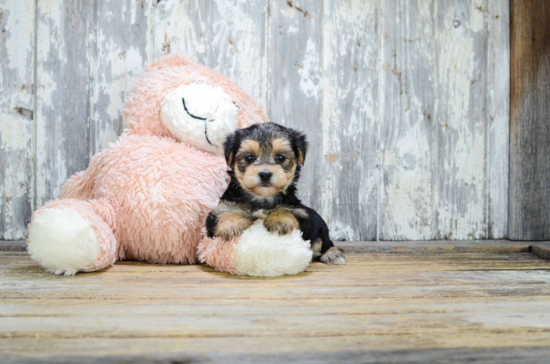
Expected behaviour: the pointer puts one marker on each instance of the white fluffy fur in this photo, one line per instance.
(202, 101)
(63, 241)
(262, 254)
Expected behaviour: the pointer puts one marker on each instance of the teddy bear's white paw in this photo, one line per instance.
(262, 254)
(63, 241)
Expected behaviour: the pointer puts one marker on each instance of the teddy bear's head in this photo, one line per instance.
(189, 102)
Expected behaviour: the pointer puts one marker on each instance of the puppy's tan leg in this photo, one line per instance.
(316, 248)
(281, 222)
(333, 256)
(231, 225)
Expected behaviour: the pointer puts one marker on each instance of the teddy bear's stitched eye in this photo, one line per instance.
(250, 159)
(280, 159)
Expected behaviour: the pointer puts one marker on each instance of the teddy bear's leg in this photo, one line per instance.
(68, 236)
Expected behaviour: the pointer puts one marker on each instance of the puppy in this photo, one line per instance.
(265, 161)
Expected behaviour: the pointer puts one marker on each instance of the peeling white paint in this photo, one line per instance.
(16, 113)
(308, 71)
(406, 106)
(228, 36)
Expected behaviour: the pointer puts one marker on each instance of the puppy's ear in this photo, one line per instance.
(230, 147)
(300, 145)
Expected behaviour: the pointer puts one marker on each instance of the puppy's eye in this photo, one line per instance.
(250, 159)
(280, 159)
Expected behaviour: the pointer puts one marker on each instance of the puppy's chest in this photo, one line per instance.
(262, 213)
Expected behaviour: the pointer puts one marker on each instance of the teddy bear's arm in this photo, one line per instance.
(81, 186)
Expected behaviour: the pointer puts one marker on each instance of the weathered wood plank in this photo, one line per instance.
(13, 246)
(419, 88)
(402, 305)
(541, 250)
(17, 39)
(356, 247)
(62, 105)
(88, 53)
(529, 207)
(460, 160)
(120, 49)
(295, 85)
(406, 140)
(443, 175)
(412, 277)
(238, 323)
(347, 174)
(228, 36)
(354, 349)
(498, 108)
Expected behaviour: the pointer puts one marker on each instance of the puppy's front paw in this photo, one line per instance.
(281, 222)
(231, 225)
(333, 256)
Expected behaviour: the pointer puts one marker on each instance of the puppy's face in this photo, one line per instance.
(265, 157)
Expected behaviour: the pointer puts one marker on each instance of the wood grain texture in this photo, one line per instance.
(529, 207)
(431, 246)
(405, 103)
(498, 109)
(17, 39)
(347, 172)
(296, 82)
(88, 53)
(441, 153)
(461, 125)
(401, 305)
(62, 107)
(228, 36)
(119, 48)
(406, 140)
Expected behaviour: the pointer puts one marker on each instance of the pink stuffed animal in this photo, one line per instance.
(147, 196)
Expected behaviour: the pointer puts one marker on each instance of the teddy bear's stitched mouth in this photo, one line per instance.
(199, 118)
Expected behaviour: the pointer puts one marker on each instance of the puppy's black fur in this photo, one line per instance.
(243, 202)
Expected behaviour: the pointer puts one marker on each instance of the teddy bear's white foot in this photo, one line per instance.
(66, 236)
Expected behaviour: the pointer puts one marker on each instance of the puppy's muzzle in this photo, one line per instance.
(265, 176)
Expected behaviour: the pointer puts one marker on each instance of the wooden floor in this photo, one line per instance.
(404, 305)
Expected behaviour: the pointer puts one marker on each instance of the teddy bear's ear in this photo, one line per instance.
(168, 61)
(230, 146)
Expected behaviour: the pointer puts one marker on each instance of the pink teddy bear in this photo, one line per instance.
(146, 196)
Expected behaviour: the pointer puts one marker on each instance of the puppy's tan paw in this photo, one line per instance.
(281, 222)
(231, 225)
(333, 256)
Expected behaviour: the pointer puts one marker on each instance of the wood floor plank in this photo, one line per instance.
(378, 305)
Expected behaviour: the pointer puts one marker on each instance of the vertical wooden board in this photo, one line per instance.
(88, 55)
(347, 174)
(295, 81)
(119, 47)
(228, 36)
(17, 38)
(498, 107)
(529, 205)
(62, 106)
(461, 123)
(407, 117)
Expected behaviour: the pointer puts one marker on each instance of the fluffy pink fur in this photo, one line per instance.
(218, 253)
(148, 194)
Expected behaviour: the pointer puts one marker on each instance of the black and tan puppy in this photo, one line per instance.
(265, 161)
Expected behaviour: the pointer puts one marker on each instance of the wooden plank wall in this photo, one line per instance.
(405, 102)
(530, 121)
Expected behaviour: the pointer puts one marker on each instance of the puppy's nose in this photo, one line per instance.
(265, 176)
